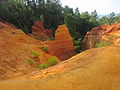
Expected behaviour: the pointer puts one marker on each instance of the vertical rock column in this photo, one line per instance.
(62, 46)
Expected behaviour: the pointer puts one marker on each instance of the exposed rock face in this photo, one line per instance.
(15, 49)
(62, 46)
(10, 32)
(93, 69)
(103, 33)
(38, 31)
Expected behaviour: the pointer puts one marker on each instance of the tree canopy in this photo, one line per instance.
(23, 13)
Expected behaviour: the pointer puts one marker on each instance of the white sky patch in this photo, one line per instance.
(102, 6)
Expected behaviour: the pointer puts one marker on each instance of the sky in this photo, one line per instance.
(103, 7)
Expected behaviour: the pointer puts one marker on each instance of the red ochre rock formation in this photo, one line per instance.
(38, 31)
(62, 46)
(15, 49)
(9, 31)
(103, 33)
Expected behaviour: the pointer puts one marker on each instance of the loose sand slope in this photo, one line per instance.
(94, 69)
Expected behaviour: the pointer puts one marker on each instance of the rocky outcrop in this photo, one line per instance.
(10, 32)
(62, 46)
(38, 31)
(16, 48)
(104, 33)
(93, 69)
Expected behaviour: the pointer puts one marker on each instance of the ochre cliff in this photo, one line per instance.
(15, 49)
(103, 33)
(62, 46)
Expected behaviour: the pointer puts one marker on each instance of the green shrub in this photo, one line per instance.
(44, 48)
(52, 61)
(31, 61)
(43, 66)
(77, 43)
(102, 44)
(36, 54)
(51, 39)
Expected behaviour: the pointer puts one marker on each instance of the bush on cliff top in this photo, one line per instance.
(101, 44)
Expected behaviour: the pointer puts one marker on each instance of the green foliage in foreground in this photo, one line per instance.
(44, 48)
(43, 66)
(36, 54)
(51, 61)
(31, 61)
(101, 44)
